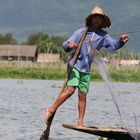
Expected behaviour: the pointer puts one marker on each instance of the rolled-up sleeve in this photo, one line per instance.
(112, 44)
(73, 38)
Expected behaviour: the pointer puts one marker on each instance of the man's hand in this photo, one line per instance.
(124, 38)
(72, 45)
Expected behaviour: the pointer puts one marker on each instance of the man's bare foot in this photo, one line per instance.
(80, 123)
(48, 115)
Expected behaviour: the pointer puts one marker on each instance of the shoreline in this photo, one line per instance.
(57, 71)
(94, 81)
(29, 74)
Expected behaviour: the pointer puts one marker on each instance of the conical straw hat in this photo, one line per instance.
(98, 11)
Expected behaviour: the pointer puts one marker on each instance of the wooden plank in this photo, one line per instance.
(108, 132)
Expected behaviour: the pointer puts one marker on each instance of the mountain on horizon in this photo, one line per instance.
(63, 17)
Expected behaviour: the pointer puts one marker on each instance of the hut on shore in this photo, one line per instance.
(45, 58)
(124, 62)
(18, 53)
(130, 62)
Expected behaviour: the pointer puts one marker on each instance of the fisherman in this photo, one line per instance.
(96, 38)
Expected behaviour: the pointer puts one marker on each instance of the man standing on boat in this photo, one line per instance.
(96, 38)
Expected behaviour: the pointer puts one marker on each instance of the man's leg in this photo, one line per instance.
(82, 93)
(81, 107)
(60, 100)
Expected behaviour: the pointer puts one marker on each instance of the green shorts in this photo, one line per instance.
(80, 80)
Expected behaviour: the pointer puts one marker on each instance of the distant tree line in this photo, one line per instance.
(48, 44)
(53, 44)
(44, 42)
(7, 39)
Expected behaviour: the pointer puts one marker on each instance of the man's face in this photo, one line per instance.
(97, 21)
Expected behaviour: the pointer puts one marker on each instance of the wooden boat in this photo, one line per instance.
(108, 132)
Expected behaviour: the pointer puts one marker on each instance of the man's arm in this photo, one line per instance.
(112, 44)
(72, 42)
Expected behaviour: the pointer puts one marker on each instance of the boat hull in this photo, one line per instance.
(108, 132)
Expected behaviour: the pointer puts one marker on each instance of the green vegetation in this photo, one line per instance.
(125, 73)
(53, 44)
(7, 39)
(57, 71)
(44, 42)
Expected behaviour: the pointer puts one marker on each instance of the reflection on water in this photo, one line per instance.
(22, 105)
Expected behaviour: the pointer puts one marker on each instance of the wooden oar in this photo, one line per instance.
(45, 135)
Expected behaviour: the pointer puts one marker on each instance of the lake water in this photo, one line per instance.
(23, 102)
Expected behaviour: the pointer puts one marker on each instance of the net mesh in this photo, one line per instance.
(101, 67)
